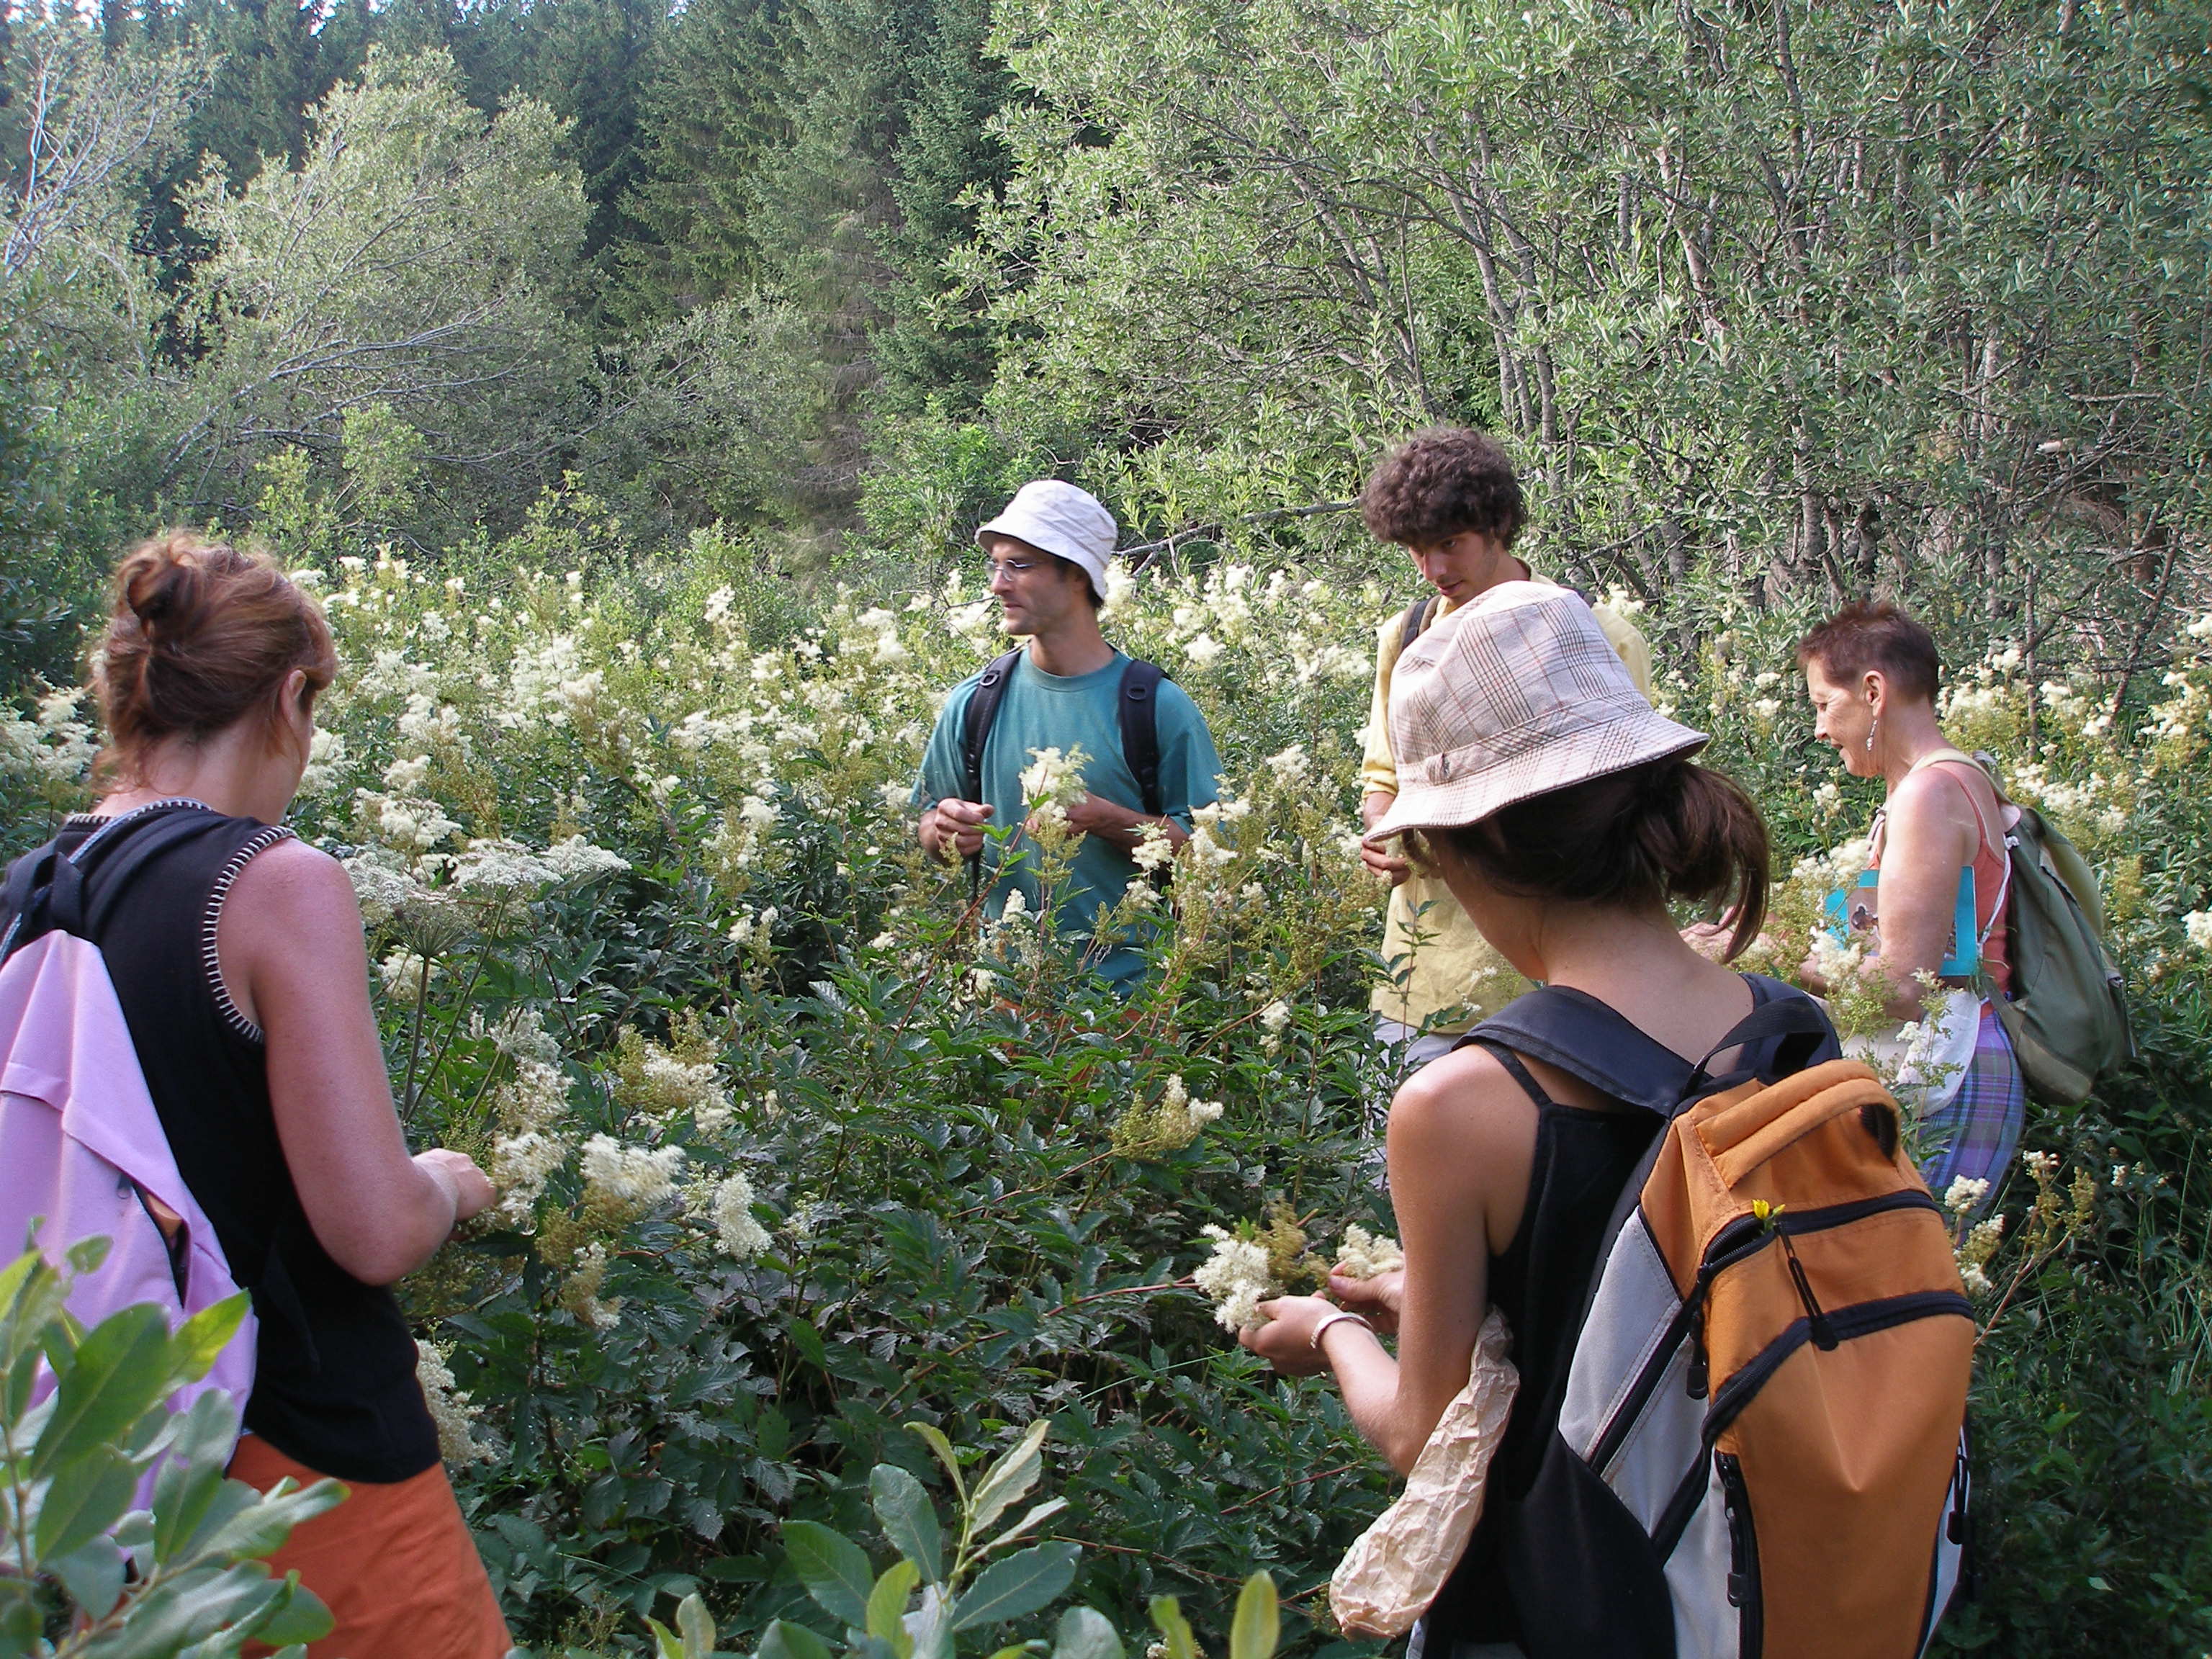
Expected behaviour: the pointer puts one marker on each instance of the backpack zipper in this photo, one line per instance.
(1816, 1323)
(1738, 1241)
(1863, 1319)
(1743, 1585)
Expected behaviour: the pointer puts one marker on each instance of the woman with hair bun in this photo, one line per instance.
(1565, 814)
(237, 955)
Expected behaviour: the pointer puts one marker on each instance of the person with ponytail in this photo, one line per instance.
(1565, 816)
(236, 953)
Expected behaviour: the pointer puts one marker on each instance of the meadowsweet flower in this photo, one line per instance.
(729, 1205)
(575, 859)
(1154, 849)
(521, 1164)
(1204, 651)
(580, 1293)
(1275, 1015)
(1363, 1255)
(404, 973)
(450, 1410)
(406, 776)
(1965, 1194)
(380, 886)
(1236, 1277)
(326, 757)
(499, 866)
(2197, 924)
(2043, 1166)
(621, 1181)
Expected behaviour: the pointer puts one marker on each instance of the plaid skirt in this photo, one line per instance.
(1976, 1133)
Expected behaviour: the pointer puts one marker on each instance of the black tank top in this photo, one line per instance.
(334, 1384)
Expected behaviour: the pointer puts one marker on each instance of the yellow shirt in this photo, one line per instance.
(1444, 961)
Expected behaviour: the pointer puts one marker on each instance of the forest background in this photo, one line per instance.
(633, 380)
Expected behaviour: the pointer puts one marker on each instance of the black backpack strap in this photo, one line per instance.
(1138, 704)
(1584, 1038)
(46, 891)
(975, 732)
(1415, 619)
(1805, 1035)
(976, 727)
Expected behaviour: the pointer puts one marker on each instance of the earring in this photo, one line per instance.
(1873, 726)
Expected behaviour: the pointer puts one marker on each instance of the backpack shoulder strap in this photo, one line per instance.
(975, 732)
(1415, 619)
(1584, 1038)
(1139, 705)
(976, 726)
(46, 891)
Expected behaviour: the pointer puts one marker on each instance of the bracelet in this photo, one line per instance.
(1338, 1317)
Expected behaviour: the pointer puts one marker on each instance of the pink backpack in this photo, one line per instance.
(82, 1153)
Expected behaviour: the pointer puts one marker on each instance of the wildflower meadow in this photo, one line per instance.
(804, 1171)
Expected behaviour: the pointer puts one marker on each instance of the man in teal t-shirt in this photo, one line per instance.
(1049, 552)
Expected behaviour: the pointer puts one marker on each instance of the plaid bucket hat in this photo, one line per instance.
(1514, 695)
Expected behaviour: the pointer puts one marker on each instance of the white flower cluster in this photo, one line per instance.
(408, 824)
(458, 1443)
(626, 1181)
(54, 746)
(579, 1292)
(1182, 1113)
(1975, 1253)
(1235, 1278)
(1965, 1195)
(1363, 1255)
(728, 1205)
(2197, 924)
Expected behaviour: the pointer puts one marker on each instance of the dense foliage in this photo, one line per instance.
(633, 375)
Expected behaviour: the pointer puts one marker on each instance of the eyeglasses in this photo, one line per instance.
(997, 568)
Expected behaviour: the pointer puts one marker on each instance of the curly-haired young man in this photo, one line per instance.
(1450, 497)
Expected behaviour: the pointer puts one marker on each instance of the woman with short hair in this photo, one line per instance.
(237, 955)
(1928, 910)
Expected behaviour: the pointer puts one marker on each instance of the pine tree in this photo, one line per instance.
(714, 109)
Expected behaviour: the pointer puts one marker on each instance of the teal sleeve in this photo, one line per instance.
(940, 759)
(1190, 770)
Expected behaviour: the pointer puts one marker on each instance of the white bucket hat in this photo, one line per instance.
(1513, 694)
(1061, 520)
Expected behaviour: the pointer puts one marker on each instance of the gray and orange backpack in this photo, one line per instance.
(1760, 1445)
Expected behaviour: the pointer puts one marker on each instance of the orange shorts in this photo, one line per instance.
(394, 1563)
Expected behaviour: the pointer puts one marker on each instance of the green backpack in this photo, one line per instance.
(2067, 1018)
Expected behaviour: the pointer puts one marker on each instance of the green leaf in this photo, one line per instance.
(1085, 1633)
(887, 1607)
(697, 1625)
(933, 1437)
(1019, 1584)
(257, 1529)
(86, 1254)
(118, 1373)
(931, 1625)
(909, 1519)
(785, 1640)
(201, 1338)
(92, 1573)
(1254, 1632)
(1036, 1516)
(298, 1616)
(1009, 1478)
(832, 1568)
(667, 1644)
(1173, 1628)
(87, 1495)
(191, 1478)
